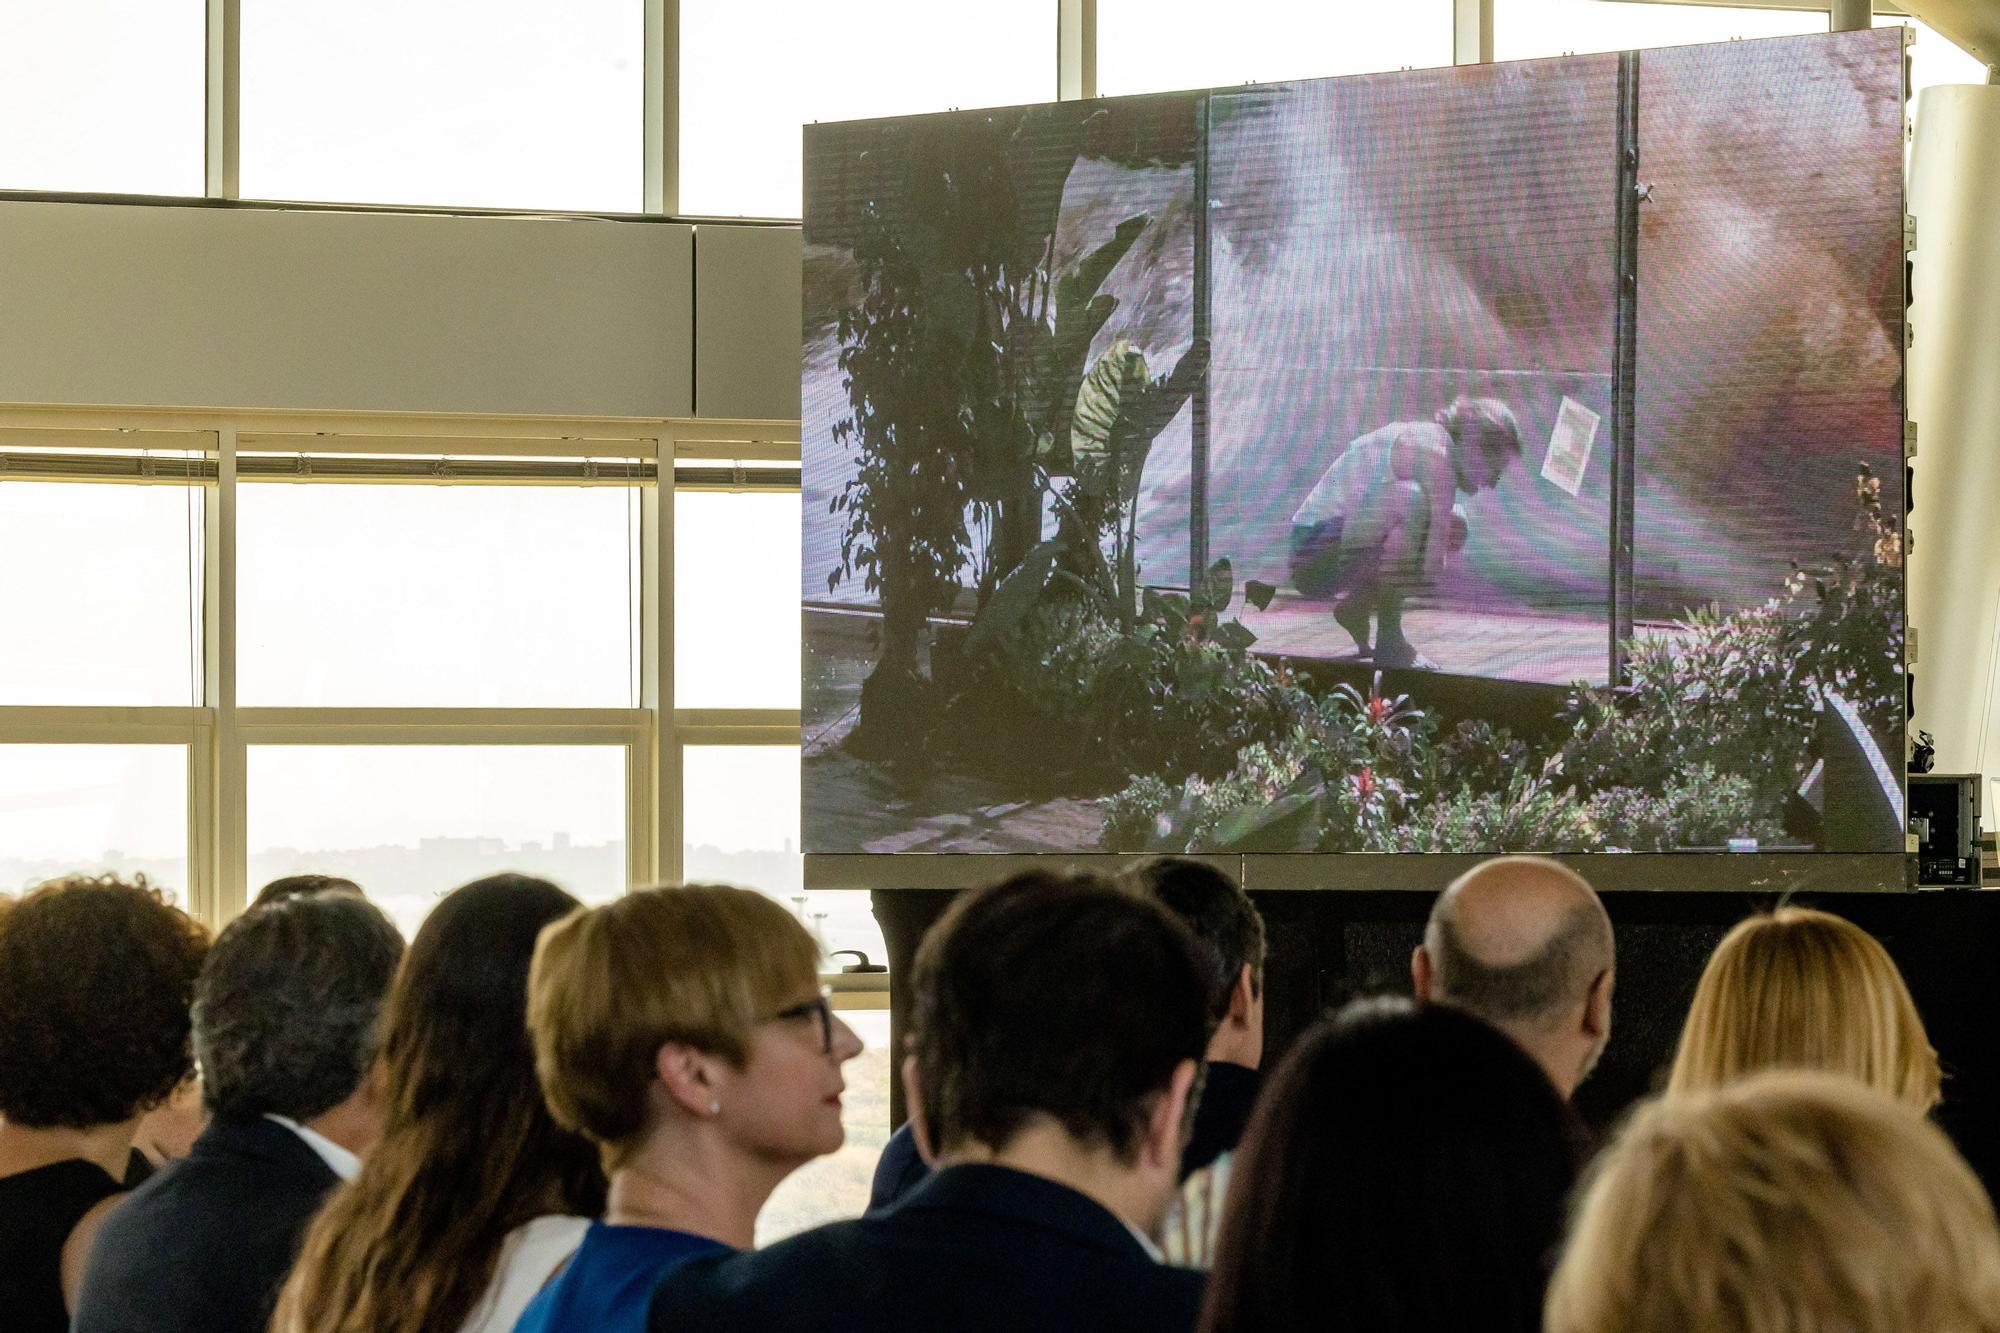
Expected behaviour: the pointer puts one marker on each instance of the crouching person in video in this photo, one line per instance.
(1382, 521)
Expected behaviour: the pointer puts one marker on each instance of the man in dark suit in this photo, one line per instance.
(1229, 943)
(1058, 1028)
(285, 1014)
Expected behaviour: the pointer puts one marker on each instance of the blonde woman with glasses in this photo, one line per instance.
(1788, 1202)
(1802, 989)
(684, 1031)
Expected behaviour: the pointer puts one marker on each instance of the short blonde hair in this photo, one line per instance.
(1799, 989)
(1790, 1202)
(701, 964)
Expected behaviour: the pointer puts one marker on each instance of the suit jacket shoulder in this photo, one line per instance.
(975, 1249)
(203, 1246)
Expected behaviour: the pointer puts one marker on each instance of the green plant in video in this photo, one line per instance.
(1705, 742)
(905, 533)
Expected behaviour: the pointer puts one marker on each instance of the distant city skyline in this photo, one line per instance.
(407, 880)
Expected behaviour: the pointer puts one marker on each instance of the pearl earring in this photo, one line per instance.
(715, 1108)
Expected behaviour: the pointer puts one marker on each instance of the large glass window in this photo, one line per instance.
(1154, 45)
(440, 596)
(740, 825)
(1525, 29)
(736, 600)
(94, 809)
(752, 74)
(491, 103)
(99, 593)
(103, 95)
(409, 823)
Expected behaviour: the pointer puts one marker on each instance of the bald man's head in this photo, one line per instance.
(1524, 943)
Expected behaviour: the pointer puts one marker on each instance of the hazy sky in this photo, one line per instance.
(527, 103)
(385, 595)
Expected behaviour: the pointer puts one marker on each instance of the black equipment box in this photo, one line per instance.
(1944, 819)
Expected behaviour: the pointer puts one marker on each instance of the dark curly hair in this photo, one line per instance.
(96, 979)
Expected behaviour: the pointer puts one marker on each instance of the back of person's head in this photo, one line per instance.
(303, 886)
(1801, 989)
(96, 979)
(1057, 996)
(697, 965)
(1487, 420)
(287, 1006)
(1228, 932)
(1406, 1169)
(1524, 943)
(468, 1149)
(1788, 1202)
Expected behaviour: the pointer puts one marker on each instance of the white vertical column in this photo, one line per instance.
(1954, 400)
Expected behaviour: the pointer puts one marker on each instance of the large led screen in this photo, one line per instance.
(1496, 458)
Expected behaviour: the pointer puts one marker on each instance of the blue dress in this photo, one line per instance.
(610, 1281)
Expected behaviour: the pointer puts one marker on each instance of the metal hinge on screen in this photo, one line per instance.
(1909, 232)
(1909, 439)
(737, 476)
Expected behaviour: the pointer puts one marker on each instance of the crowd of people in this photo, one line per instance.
(543, 1117)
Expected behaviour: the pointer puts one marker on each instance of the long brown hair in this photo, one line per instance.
(468, 1151)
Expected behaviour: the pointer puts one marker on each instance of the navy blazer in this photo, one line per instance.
(1228, 1095)
(974, 1249)
(204, 1245)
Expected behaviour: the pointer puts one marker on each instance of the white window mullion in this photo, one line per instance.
(1472, 32)
(1076, 49)
(224, 98)
(204, 844)
(228, 791)
(657, 677)
(663, 109)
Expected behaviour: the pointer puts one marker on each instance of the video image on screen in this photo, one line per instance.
(1505, 457)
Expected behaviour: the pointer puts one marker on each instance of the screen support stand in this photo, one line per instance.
(1198, 403)
(1624, 363)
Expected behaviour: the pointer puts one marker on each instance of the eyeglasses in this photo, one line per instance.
(821, 1007)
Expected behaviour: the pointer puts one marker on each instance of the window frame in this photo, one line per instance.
(1075, 35)
(705, 454)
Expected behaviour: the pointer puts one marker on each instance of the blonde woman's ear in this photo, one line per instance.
(683, 1074)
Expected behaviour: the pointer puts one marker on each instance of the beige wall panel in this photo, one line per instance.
(205, 307)
(1954, 397)
(747, 335)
